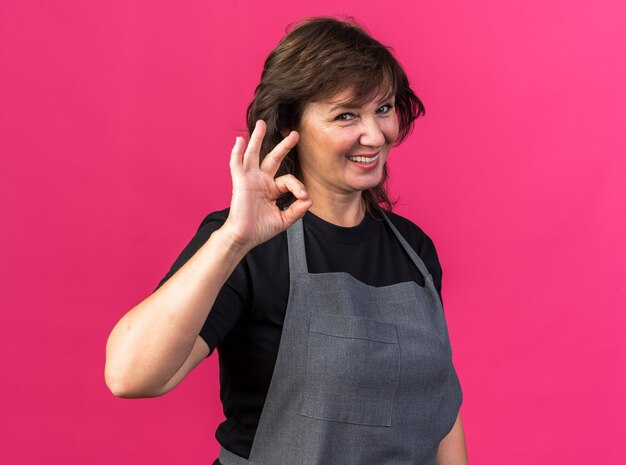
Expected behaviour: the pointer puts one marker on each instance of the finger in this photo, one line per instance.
(236, 154)
(295, 211)
(272, 161)
(289, 183)
(251, 155)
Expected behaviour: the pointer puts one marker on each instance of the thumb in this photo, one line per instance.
(295, 211)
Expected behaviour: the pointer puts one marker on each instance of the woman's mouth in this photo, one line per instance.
(364, 160)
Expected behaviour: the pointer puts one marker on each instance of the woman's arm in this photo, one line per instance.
(452, 450)
(153, 341)
(156, 344)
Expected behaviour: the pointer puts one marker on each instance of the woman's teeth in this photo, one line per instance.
(364, 159)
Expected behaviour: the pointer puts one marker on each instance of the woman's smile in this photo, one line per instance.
(365, 161)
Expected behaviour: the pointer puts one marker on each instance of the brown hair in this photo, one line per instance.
(318, 58)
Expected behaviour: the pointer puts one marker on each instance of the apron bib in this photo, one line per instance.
(363, 376)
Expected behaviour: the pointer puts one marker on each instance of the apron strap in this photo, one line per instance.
(295, 246)
(409, 250)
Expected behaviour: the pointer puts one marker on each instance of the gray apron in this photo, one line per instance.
(363, 376)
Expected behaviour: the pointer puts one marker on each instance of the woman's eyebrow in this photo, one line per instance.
(353, 105)
(342, 106)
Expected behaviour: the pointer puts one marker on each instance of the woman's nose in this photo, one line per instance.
(371, 133)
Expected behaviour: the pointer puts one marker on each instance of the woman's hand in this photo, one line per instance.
(254, 217)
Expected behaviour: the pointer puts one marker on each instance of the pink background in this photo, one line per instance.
(116, 121)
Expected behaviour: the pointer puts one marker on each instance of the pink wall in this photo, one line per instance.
(116, 121)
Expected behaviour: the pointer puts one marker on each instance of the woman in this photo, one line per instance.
(324, 307)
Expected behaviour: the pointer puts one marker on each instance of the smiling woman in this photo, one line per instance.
(325, 307)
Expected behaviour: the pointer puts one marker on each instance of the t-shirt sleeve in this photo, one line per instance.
(234, 296)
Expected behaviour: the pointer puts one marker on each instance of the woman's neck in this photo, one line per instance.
(346, 211)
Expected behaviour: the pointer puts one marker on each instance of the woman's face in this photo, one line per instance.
(343, 147)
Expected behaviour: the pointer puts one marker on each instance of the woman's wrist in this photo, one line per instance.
(230, 243)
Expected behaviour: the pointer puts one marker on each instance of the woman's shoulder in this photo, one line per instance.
(421, 243)
(413, 234)
(211, 223)
(215, 219)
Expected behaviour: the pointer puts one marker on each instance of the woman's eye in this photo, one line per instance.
(344, 117)
(386, 108)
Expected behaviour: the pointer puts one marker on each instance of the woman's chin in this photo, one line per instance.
(369, 183)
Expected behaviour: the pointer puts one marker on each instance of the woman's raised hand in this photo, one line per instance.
(254, 217)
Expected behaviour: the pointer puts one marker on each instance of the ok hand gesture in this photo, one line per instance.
(254, 217)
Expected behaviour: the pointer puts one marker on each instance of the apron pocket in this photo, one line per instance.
(353, 364)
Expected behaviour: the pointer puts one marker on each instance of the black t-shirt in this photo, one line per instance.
(246, 320)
